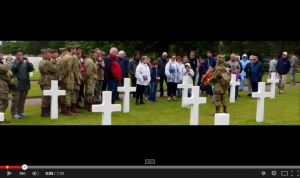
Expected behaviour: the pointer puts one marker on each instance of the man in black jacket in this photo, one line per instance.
(162, 62)
(282, 68)
(194, 64)
(132, 68)
(247, 70)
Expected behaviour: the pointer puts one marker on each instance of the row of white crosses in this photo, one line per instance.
(107, 108)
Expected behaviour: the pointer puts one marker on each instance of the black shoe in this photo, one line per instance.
(239, 95)
(142, 102)
(249, 94)
(137, 103)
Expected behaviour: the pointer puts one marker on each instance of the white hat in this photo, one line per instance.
(187, 64)
(284, 53)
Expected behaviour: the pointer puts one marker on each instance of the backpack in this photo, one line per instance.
(225, 79)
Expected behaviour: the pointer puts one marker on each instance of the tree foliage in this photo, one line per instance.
(156, 48)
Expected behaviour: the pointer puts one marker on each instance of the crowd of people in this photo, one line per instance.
(86, 76)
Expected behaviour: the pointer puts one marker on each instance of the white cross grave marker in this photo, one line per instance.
(1, 117)
(31, 74)
(260, 95)
(221, 119)
(233, 83)
(106, 108)
(54, 93)
(126, 89)
(185, 86)
(37, 66)
(273, 80)
(194, 100)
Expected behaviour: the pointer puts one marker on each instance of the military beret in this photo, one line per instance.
(46, 51)
(78, 46)
(62, 49)
(71, 47)
(53, 51)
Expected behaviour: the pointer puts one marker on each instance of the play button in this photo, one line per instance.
(8, 173)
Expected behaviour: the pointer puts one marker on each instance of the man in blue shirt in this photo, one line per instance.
(282, 68)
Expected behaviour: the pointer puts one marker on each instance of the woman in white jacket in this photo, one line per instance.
(143, 77)
(190, 73)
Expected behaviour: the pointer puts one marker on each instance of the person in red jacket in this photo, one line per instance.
(112, 72)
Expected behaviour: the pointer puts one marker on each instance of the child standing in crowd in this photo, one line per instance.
(238, 79)
(190, 73)
(154, 73)
(207, 76)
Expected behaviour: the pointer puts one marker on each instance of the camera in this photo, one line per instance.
(99, 60)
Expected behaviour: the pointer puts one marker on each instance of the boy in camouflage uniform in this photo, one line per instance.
(4, 78)
(221, 82)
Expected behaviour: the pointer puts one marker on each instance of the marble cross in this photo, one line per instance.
(54, 93)
(31, 74)
(185, 86)
(106, 108)
(233, 84)
(260, 95)
(126, 89)
(194, 100)
(273, 80)
(1, 117)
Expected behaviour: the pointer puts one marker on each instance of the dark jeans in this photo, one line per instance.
(133, 84)
(112, 86)
(172, 87)
(139, 92)
(147, 91)
(81, 93)
(161, 86)
(209, 90)
(236, 91)
(120, 83)
(104, 86)
(126, 75)
(254, 86)
(153, 89)
(194, 79)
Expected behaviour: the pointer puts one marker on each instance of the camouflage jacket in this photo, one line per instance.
(4, 77)
(48, 72)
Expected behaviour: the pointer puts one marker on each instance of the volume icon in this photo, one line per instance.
(35, 173)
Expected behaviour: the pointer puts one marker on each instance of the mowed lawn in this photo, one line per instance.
(283, 110)
(35, 90)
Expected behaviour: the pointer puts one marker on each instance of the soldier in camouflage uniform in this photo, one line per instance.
(77, 81)
(67, 78)
(90, 78)
(58, 62)
(221, 81)
(48, 72)
(78, 55)
(4, 79)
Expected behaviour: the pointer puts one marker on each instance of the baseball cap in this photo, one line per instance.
(284, 53)
(102, 52)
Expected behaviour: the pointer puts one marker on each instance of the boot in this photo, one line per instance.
(224, 109)
(69, 112)
(217, 111)
(63, 109)
(44, 112)
(142, 102)
(49, 110)
(90, 107)
(86, 105)
(74, 108)
(77, 105)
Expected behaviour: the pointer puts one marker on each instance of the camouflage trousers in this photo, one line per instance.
(89, 93)
(46, 100)
(75, 94)
(220, 99)
(3, 102)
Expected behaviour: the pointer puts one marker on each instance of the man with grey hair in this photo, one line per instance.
(294, 62)
(232, 63)
(161, 66)
(100, 74)
(113, 72)
(120, 60)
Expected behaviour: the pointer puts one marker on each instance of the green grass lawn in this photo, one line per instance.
(283, 110)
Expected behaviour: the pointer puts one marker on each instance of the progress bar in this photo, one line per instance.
(163, 167)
